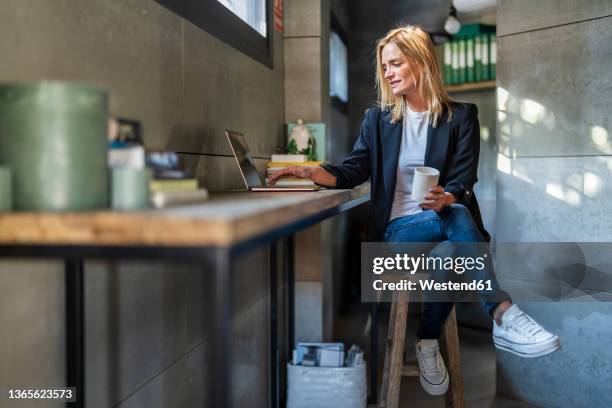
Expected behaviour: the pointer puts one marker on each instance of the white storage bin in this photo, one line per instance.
(326, 387)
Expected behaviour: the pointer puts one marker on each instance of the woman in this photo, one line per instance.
(416, 124)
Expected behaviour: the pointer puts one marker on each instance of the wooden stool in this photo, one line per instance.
(394, 367)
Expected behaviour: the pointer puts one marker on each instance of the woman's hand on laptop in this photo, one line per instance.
(317, 174)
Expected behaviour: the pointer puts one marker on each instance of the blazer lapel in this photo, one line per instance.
(437, 145)
(391, 143)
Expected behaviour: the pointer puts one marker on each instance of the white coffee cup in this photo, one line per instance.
(424, 179)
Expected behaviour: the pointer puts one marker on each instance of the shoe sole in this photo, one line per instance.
(528, 351)
(435, 389)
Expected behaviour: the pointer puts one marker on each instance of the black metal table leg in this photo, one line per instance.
(220, 331)
(75, 329)
(274, 346)
(290, 282)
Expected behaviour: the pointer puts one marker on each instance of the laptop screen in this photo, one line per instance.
(243, 157)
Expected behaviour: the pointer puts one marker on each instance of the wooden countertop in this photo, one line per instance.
(224, 220)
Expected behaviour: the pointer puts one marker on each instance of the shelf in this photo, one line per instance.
(472, 86)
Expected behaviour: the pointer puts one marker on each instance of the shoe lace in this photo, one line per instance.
(430, 359)
(524, 325)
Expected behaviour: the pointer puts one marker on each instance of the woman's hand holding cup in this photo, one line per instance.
(439, 199)
(427, 192)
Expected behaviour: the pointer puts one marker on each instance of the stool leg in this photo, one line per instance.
(450, 351)
(385, 375)
(394, 353)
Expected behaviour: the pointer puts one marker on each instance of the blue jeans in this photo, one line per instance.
(455, 224)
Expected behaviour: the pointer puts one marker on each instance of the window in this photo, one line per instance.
(242, 24)
(252, 12)
(338, 68)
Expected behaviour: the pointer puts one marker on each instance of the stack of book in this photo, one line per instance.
(471, 56)
(171, 184)
(281, 161)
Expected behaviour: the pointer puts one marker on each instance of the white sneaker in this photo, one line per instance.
(521, 335)
(434, 377)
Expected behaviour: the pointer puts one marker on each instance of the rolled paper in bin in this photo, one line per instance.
(6, 189)
(130, 188)
(53, 136)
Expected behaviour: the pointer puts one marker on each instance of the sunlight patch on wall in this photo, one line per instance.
(592, 184)
(569, 196)
(572, 198)
(485, 134)
(532, 112)
(599, 135)
(574, 180)
(505, 129)
(502, 98)
(521, 176)
(518, 129)
(503, 164)
(555, 190)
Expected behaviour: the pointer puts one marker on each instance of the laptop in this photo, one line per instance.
(247, 166)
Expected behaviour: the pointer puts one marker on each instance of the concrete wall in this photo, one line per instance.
(553, 171)
(306, 60)
(31, 315)
(145, 338)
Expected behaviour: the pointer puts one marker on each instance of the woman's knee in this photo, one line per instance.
(460, 215)
(460, 211)
(459, 219)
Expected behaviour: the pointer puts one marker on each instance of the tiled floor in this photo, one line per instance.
(477, 360)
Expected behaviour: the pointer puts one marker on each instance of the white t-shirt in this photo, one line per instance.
(412, 155)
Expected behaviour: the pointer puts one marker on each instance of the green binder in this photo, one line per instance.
(484, 40)
(455, 62)
(448, 63)
(477, 58)
(479, 47)
(469, 59)
(462, 66)
(493, 56)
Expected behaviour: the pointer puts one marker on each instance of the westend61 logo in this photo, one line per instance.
(410, 264)
(442, 271)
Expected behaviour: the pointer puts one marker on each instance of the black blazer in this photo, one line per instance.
(452, 148)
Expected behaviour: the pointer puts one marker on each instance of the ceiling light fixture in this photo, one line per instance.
(452, 24)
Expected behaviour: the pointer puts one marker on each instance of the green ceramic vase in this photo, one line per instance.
(53, 137)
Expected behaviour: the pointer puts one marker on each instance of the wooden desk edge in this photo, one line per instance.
(156, 228)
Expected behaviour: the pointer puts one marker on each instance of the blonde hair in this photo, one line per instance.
(415, 44)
